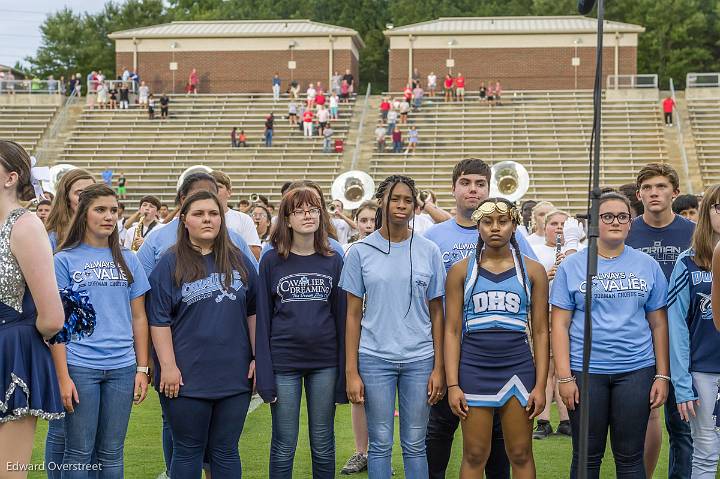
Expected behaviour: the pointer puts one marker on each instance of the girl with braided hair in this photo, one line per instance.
(488, 363)
(399, 351)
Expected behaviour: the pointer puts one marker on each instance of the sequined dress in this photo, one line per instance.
(28, 383)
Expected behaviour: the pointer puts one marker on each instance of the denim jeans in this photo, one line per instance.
(438, 442)
(397, 146)
(268, 137)
(99, 423)
(327, 145)
(705, 436)
(383, 380)
(680, 453)
(200, 424)
(320, 397)
(620, 402)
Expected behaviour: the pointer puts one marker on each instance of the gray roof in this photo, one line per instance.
(511, 25)
(236, 28)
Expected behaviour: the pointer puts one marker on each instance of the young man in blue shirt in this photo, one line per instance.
(457, 239)
(663, 235)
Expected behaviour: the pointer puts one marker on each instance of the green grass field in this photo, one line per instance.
(144, 459)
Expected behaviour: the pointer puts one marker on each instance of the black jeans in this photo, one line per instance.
(438, 443)
(668, 118)
(622, 403)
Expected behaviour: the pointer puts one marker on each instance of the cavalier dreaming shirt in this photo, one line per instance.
(458, 242)
(92, 270)
(624, 290)
(209, 327)
(663, 244)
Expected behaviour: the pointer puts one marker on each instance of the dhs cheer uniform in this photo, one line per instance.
(495, 359)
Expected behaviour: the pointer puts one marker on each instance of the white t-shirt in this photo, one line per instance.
(343, 230)
(422, 223)
(535, 238)
(144, 91)
(333, 101)
(545, 254)
(129, 234)
(432, 80)
(243, 225)
(311, 93)
(323, 116)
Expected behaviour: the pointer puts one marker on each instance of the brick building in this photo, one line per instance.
(237, 56)
(528, 53)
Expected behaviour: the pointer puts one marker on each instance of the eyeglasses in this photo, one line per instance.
(716, 206)
(609, 218)
(313, 212)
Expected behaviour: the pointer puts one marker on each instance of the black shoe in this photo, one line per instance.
(542, 430)
(564, 428)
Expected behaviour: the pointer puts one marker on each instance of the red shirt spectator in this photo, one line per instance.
(668, 105)
(408, 93)
(448, 83)
(308, 116)
(320, 98)
(460, 82)
(385, 105)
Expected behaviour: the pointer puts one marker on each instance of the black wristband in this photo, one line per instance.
(453, 386)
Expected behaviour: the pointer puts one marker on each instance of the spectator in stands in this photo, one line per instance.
(498, 93)
(418, 94)
(415, 78)
(143, 93)
(335, 83)
(308, 122)
(345, 91)
(668, 106)
(448, 85)
(52, 85)
(391, 121)
(269, 126)
(43, 210)
(384, 108)
(404, 110)
(242, 139)
(328, 138)
(163, 212)
(380, 137)
(687, 207)
(397, 140)
(122, 186)
(102, 95)
(412, 139)
(311, 94)
(294, 90)
(348, 77)
(460, 87)
(124, 96)
(491, 94)
(164, 106)
(407, 93)
(334, 104)
(320, 98)
(261, 217)
(151, 107)
(432, 83)
(78, 83)
(233, 137)
(193, 81)
(276, 86)
(292, 112)
(107, 175)
(113, 93)
(323, 116)
(482, 94)
(629, 190)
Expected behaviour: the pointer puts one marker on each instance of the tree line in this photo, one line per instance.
(681, 35)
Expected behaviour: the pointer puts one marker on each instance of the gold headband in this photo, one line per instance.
(490, 207)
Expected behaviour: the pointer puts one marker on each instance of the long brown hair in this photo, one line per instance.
(189, 262)
(78, 227)
(14, 158)
(282, 235)
(702, 239)
(61, 214)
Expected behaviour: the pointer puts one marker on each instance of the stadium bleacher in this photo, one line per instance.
(152, 153)
(705, 124)
(26, 123)
(548, 132)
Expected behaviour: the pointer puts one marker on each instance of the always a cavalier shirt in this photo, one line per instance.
(300, 318)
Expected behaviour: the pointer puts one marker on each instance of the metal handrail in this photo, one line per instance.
(681, 141)
(92, 85)
(31, 86)
(632, 81)
(356, 153)
(702, 80)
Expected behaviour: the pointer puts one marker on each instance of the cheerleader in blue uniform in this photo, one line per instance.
(30, 309)
(488, 361)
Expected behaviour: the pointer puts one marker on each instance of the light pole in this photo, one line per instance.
(291, 63)
(450, 63)
(173, 64)
(576, 59)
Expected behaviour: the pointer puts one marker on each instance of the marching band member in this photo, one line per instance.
(148, 211)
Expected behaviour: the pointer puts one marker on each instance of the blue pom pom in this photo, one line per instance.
(79, 317)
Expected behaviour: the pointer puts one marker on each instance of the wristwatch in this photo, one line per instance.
(143, 369)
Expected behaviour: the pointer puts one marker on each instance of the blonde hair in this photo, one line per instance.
(535, 226)
(702, 243)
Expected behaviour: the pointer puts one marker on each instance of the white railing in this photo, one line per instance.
(25, 87)
(677, 118)
(356, 153)
(632, 81)
(702, 80)
(116, 84)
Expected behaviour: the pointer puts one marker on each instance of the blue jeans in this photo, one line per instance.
(397, 146)
(705, 436)
(320, 397)
(99, 423)
(197, 424)
(54, 447)
(390, 128)
(680, 454)
(383, 380)
(620, 402)
(268, 137)
(327, 145)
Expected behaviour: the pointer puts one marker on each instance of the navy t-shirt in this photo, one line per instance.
(300, 318)
(664, 244)
(209, 327)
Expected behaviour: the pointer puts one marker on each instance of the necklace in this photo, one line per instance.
(608, 257)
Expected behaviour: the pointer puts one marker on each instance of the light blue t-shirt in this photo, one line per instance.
(625, 289)
(390, 330)
(92, 270)
(162, 239)
(458, 242)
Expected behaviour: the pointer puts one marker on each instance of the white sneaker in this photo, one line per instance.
(163, 475)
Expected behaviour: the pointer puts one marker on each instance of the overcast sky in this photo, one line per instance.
(20, 24)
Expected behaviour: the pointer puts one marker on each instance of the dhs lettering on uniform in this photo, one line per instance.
(496, 301)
